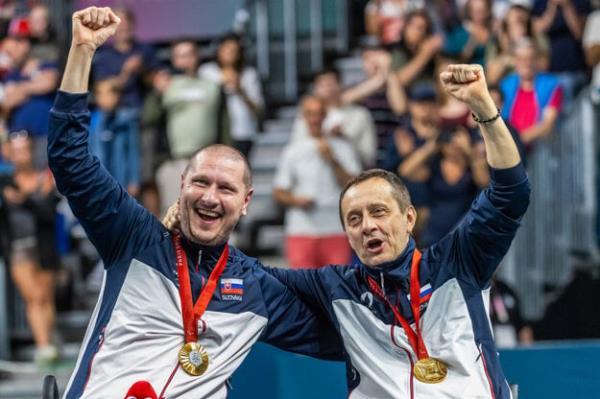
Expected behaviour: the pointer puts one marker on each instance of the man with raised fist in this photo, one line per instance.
(414, 323)
(177, 313)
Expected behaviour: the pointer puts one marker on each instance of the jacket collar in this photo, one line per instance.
(210, 253)
(397, 270)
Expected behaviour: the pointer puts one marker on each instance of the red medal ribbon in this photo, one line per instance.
(414, 338)
(192, 313)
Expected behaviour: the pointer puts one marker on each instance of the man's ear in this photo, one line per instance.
(247, 201)
(411, 218)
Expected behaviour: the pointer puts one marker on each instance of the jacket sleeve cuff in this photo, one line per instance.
(71, 102)
(510, 176)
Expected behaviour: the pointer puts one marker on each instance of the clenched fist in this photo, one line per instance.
(93, 26)
(467, 83)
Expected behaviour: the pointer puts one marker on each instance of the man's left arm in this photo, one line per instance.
(484, 236)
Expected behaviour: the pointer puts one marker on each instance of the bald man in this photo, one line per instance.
(178, 313)
(312, 170)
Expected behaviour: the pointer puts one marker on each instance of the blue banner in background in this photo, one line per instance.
(564, 370)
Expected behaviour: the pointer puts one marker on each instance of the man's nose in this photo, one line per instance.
(209, 196)
(368, 225)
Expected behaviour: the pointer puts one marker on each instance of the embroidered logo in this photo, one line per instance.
(367, 299)
(232, 289)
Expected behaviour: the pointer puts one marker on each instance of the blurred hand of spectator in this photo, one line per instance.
(14, 95)
(14, 196)
(133, 189)
(132, 65)
(231, 80)
(161, 80)
(462, 141)
(304, 202)
(574, 21)
(405, 143)
(432, 45)
(325, 149)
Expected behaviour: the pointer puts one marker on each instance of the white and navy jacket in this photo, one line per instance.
(455, 278)
(136, 329)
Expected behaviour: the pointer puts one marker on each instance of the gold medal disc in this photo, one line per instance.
(430, 370)
(193, 358)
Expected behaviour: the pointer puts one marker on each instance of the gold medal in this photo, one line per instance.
(193, 358)
(430, 370)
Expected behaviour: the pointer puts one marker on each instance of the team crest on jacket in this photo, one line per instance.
(232, 289)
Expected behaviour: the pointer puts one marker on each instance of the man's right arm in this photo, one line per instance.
(115, 222)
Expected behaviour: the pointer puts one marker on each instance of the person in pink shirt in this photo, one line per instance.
(532, 99)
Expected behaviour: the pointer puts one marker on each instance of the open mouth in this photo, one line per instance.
(375, 245)
(208, 215)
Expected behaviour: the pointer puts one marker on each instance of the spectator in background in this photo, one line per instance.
(516, 25)
(29, 87)
(129, 61)
(150, 197)
(469, 40)
(311, 173)
(563, 22)
(532, 100)
(43, 37)
(413, 58)
(31, 200)
(111, 139)
(591, 43)
(384, 19)
(347, 121)
(196, 117)
(7, 12)
(381, 91)
(130, 64)
(508, 324)
(421, 126)
(453, 168)
(242, 88)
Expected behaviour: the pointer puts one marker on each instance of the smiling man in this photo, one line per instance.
(414, 324)
(177, 314)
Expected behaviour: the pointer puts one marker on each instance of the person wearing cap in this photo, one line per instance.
(29, 87)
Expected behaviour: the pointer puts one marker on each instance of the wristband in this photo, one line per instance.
(484, 121)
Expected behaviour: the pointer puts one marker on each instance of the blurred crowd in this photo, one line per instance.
(151, 114)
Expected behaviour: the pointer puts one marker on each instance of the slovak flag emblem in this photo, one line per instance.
(232, 289)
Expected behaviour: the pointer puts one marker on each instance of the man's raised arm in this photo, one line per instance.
(117, 225)
(484, 236)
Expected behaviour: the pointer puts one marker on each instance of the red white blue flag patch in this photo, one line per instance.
(232, 289)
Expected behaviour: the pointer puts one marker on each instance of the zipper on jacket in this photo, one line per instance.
(485, 370)
(410, 359)
(199, 260)
(89, 370)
